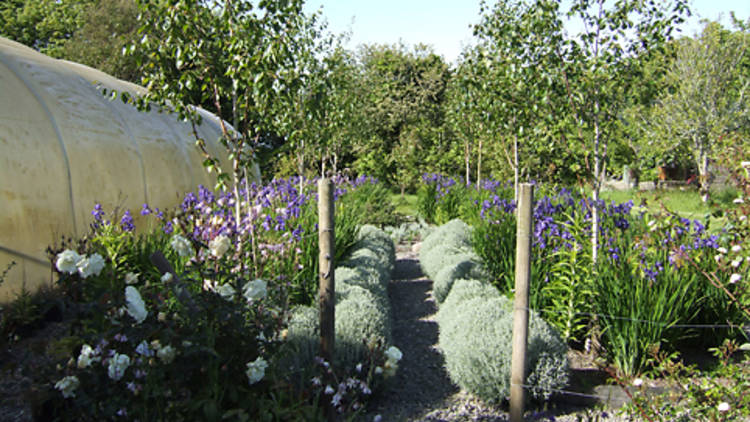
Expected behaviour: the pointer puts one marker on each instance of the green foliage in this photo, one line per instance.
(715, 395)
(41, 24)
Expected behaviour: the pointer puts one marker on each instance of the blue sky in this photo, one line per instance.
(444, 24)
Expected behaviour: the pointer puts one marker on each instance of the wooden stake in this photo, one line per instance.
(521, 301)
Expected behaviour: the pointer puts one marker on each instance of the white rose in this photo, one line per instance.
(87, 357)
(256, 370)
(255, 290)
(67, 260)
(135, 306)
(117, 366)
(226, 291)
(91, 265)
(182, 246)
(68, 385)
(166, 354)
(219, 245)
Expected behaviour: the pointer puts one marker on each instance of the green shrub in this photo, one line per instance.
(476, 339)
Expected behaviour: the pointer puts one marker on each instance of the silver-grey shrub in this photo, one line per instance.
(462, 290)
(464, 265)
(476, 340)
(455, 233)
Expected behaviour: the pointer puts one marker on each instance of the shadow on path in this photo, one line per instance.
(421, 383)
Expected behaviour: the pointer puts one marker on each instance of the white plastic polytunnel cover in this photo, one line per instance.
(65, 147)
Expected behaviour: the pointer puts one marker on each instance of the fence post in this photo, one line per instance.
(521, 301)
(326, 242)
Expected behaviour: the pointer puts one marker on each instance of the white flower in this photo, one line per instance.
(117, 366)
(226, 291)
(91, 265)
(255, 290)
(738, 200)
(87, 357)
(329, 390)
(393, 354)
(219, 245)
(637, 382)
(722, 250)
(67, 260)
(377, 418)
(182, 246)
(723, 406)
(735, 278)
(378, 370)
(717, 258)
(256, 370)
(68, 385)
(167, 277)
(166, 354)
(131, 278)
(358, 367)
(135, 306)
(737, 262)
(736, 248)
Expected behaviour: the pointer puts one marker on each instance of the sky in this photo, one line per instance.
(444, 24)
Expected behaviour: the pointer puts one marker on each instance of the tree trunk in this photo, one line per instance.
(595, 193)
(515, 166)
(479, 163)
(703, 172)
(466, 159)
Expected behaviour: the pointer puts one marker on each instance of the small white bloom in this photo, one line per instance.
(131, 278)
(717, 257)
(393, 354)
(329, 390)
(737, 262)
(167, 277)
(226, 291)
(219, 245)
(378, 370)
(68, 385)
(738, 200)
(637, 382)
(722, 250)
(358, 367)
(67, 260)
(166, 354)
(735, 278)
(117, 366)
(736, 248)
(91, 265)
(135, 306)
(256, 370)
(87, 357)
(255, 290)
(182, 246)
(336, 399)
(377, 418)
(723, 406)
(743, 217)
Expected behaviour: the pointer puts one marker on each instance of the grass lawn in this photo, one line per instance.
(406, 205)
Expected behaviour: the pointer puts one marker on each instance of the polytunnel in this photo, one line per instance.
(65, 147)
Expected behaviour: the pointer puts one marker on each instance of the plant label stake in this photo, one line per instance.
(521, 302)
